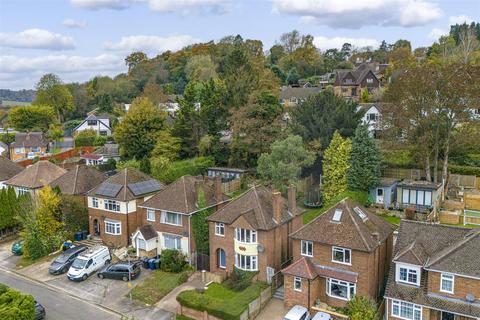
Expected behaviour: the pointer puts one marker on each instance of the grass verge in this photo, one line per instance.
(158, 285)
(182, 317)
(221, 302)
(25, 261)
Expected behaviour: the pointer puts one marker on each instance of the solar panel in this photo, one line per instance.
(337, 215)
(144, 187)
(108, 189)
(360, 213)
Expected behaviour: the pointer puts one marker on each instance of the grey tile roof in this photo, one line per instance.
(37, 175)
(29, 139)
(79, 180)
(148, 232)
(8, 169)
(351, 231)
(298, 92)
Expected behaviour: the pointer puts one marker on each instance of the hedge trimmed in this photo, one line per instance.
(465, 170)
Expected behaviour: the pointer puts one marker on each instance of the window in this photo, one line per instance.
(405, 195)
(21, 191)
(172, 242)
(246, 235)
(219, 229)
(369, 80)
(446, 283)
(371, 116)
(150, 215)
(405, 310)
(341, 255)
(307, 248)
(413, 197)
(95, 202)
(408, 275)
(35, 149)
(92, 122)
(420, 196)
(428, 198)
(380, 192)
(297, 284)
(112, 205)
(341, 289)
(171, 218)
(18, 150)
(222, 258)
(142, 245)
(112, 227)
(103, 132)
(247, 263)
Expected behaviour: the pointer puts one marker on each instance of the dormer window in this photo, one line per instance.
(408, 274)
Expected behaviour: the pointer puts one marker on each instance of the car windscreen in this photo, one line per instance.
(62, 258)
(79, 263)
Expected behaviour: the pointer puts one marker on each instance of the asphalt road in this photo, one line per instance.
(58, 305)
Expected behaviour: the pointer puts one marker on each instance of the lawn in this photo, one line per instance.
(158, 285)
(220, 301)
(181, 317)
(392, 219)
(25, 261)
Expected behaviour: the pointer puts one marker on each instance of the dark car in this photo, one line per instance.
(39, 311)
(17, 248)
(65, 260)
(121, 271)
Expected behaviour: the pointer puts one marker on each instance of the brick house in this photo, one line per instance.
(435, 273)
(28, 146)
(251, 232)
(112, 205)
(170, 214)
(343, 252)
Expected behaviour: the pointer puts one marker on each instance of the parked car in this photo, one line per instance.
(17, 248)
(65, 260)
(321, 316)
(39, 311)
(297, 313)
(121, 270)
(88, 262)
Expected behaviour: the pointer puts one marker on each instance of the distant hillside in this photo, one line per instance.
(20, 95)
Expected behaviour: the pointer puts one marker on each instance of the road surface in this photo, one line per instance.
(58, 305)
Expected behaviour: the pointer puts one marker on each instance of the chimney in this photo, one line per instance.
(277, 206)
(292, 200)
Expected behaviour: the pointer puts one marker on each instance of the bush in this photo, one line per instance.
(15, 305)
(172, 261)
(85, 138)
(239, 280)
(465, 170)
(167, 172)
(362, 308)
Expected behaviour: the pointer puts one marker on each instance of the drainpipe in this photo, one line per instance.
(189, 239)
(308, 298)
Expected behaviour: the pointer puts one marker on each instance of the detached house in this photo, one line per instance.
(350, 83)
(102, 154)
(435, 273)
(8, 169)
(35, 177)
(169, 213)
(344, 252)
(112, 205)
(251, 232)
(292, 96)
(100, 124)
(28, 146)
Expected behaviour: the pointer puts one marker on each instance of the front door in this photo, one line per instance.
(380, 195)
(96, 227)
(448, 316)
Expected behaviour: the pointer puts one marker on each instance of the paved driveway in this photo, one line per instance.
(7, 258)
(274, 310)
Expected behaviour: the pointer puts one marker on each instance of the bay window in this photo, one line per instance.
(247, 263)
(113, 227)
(246, 235)
(406, 310)
(341, 289)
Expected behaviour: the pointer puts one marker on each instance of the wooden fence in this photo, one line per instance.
(60, 156)
(231, 186)
(459, 180)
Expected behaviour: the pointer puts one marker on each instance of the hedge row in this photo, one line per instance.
(465, 170)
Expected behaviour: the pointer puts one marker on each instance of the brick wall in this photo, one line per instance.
(293, 297)
(462, 286)
(129, 225)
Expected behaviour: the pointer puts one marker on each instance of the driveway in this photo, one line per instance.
(274, 310)
(7, 259)
(169, 302)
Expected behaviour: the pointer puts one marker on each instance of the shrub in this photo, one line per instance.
(15, 305)
(362, 308)
(239, 280)
(85, 138)
(172, 261)
(465, 170)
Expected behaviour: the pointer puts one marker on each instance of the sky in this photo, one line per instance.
(79, 39)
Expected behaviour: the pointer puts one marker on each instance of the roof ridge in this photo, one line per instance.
(125, 185)
(36, 173)
(233, 200)
(365, 242)
(452, 247)
(185, 194)
(75, 179)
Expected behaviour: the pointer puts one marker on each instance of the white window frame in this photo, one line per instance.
(117, 228)
(308, 246)
(398, 306)
(447, 278)
(178, 217)
(150, 213)
(297, 284)
(220, 250)
(409, 270)
(246, 235)
(343, 251)
(349, 286)
(95, 202)
(220, 229)
(111, 205)
(241, 262)
(177, 239)
(22, 190)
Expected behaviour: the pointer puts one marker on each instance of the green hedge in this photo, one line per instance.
(15, 305)
(465, 170)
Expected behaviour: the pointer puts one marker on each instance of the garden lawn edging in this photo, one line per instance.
(158, 285)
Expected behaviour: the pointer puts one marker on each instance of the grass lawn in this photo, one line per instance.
(180, 317)
(392, 219)
(220, 301)
(26, 261)
(157, 286)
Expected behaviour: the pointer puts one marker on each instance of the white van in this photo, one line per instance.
(89, 261)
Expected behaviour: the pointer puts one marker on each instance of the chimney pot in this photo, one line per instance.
(277, 206)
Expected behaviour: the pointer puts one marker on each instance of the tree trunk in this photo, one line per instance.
(427, 167)
(445, 162)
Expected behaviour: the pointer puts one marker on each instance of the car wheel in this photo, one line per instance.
(84, 277)
(101, 276)
(125, 278)
(64, 270)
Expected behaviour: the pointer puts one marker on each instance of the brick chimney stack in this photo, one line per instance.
(292, 200)
(218, 189)
(277, 206)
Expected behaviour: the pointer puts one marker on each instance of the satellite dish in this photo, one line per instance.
(470, 298)
(260, 248)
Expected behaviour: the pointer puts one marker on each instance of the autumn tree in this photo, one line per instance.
(134, 59)
(32, 118)
(137, 133)
(283, 165)
(362, 308)
(167, 146)
(336, 162)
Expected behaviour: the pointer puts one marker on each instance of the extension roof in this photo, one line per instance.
(79, 180)
(37, 175)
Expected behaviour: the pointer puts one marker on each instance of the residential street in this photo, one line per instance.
(58, 305)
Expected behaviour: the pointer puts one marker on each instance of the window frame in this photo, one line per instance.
(95, 202)
(349, 285)
(92, 123)
(164, 220)
(398, 304)
(220, 229)
(297, 284)
(22, 191)
(409, 269)
(308, 253)
(241, 262)
(219, 257)
(176, 238)
(117, 228)
(149, 212)
(443, 277)
(343, 250)
(249, 236)
(111, 205)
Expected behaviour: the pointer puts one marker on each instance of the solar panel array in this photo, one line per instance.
(144, 187)
(108, 189)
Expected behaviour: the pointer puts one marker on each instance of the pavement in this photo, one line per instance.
(170, 303)
(7, 259)
(274, 310)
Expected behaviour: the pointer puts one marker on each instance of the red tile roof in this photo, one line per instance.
(305, 268)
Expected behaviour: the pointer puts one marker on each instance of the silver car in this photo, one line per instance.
(297, 313)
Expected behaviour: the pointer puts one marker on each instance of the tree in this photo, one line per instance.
(468, 43)
(290, 40)
(51, 92)
(364, 172)
(283, 165)
(9, 208)
(200, 67)
(42, 231)
(138, 132)
(134, 59)
(365, 96)
(320, 115)
(336, 162)
(293, 76)
(362, 308)
(15, 305)
(32, 118)
(74, 214)
(167, 146)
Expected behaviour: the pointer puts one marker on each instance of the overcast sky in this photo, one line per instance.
(78, 39)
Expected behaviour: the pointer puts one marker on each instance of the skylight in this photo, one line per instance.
(337, 215)
(360, 213)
